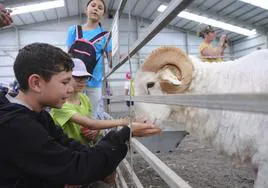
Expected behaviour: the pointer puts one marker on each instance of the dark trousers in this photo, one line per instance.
(128, 103)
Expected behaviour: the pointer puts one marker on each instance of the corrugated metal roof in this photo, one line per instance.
(230, 11)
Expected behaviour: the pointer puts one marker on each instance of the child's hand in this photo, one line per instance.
(223, 41)
(144, 129)
(124, 121)
(90, 134)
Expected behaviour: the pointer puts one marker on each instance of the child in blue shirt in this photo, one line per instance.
(95, 11)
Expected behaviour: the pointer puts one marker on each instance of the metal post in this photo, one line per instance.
(187, 42)
(266, 40)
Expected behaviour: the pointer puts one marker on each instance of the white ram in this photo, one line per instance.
(240, 135)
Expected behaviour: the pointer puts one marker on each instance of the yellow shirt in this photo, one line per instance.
(204, 45)
(62, 117)
(128, 84)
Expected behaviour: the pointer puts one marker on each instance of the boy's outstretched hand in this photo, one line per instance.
(144, 129)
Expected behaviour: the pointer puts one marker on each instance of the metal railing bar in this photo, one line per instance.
(169, 176)
(248, 102)
(121, 178)
(134, 176)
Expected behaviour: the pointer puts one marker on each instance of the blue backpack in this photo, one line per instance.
(84, 49)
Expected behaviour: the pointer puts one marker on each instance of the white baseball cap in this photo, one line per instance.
(79, 68)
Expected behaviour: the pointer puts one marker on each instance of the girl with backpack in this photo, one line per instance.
(95, 9)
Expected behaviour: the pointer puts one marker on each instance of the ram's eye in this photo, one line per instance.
(150, 84)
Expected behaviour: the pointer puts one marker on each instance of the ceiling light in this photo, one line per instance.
(209, 21)
(37, 7)
(259, 3)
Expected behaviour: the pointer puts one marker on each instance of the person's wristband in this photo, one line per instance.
(124, 122)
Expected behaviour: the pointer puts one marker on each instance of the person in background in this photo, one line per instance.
(129, 88)
(5, 18)
(95, 10)
(36, 152)
(208, 52)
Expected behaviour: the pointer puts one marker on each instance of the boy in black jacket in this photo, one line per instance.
(35, 152)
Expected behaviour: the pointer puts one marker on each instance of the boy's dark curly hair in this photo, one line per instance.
(42, 59)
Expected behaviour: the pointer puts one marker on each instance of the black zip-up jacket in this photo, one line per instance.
(35, 153)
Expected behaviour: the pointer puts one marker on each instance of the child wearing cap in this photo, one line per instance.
(75, 115)
(208, 52)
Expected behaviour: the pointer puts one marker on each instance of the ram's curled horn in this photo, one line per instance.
(174, 67)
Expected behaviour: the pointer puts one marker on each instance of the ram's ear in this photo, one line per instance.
(170, 78)
(173, 66)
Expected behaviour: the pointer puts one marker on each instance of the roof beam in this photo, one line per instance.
(154, 11)
(110, 6)
(35, 21)
(133, 7)
(18, 16)
(229, 20)
(45, 16)
(228, 5)
(145, 7)
(67, 7)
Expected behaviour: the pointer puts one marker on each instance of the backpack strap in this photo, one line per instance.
(79, 32)
(98, 36)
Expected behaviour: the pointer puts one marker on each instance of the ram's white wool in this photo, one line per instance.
(240, 135)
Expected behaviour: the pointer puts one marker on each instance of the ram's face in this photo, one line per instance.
(150, 83)
(171, 67)
(147, 83)
(167, 70)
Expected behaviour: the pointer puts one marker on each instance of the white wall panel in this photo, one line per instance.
(6, 61)
(246, 46)
(123, 37)
(6, 71)
(125, 26)
(8, 38)
(51, 37)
